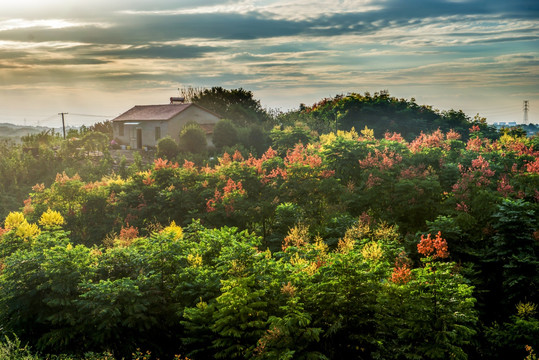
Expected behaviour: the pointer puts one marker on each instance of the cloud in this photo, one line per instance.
(14, 24)
(142, 29)
(246, 20)
(10, 66)
(157, 52)
(32, 9)
(505, 39)
(66, 61)
(295, 46)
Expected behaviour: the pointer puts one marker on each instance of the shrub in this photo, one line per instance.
(167, 148)
(13, 349)
(192, 138)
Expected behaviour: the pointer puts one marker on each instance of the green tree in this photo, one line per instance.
(433, 303)
(511, 337)
(382, 113)
(224, 134)
(240, 318)
(39, 292)
(238, 105)
(511, 260)
(257, 139)
(104, 127)
(93, 141)
(118, 313)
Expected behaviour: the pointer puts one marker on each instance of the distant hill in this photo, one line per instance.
(14, 132)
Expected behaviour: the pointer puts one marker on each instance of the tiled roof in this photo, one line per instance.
(155, 112)
(208, 128)
(152, 112)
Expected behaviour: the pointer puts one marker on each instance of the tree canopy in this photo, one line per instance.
(321, 244)
(382, 113)
(237, 105)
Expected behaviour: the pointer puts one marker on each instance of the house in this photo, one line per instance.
(144, 125)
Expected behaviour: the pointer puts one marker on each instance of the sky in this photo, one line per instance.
(96, 59)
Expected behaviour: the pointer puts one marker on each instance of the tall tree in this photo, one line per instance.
(237, 105)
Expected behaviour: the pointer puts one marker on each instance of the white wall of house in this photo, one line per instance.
(150, 136)
(121, 132)
(170, 127)
(193, 113)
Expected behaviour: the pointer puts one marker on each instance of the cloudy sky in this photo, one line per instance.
(101, 57)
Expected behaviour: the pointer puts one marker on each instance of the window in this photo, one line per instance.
(121, 129)
(157, 133)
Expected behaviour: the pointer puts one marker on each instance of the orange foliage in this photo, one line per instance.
(435, 248)
(401, 272)
(225, 160)
(160, 163)
(189, 165)
(504, 187)
(394, 137)
(128, 233)
(299, 155)
(452, 135)
(474, 129)
(474, 144)
(381, 159)
(427, 141)
(533, 166)
(148, 180)
(237, 156)
(63, 178)
(39, 187)
(28, 208)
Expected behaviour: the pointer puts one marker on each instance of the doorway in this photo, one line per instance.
(139, 138)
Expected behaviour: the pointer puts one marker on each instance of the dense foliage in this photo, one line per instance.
(217, 294)
(384, 113)
(41, 156)
(343, 245)
(224, 134)
(238, 105)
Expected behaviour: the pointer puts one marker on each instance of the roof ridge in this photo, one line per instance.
(165, 104)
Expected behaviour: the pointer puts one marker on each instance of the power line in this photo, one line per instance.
(501, 108)
(88, 115)
(47, 119)
(506, 112)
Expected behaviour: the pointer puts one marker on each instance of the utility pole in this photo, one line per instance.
(63, 123)
(526, 108)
